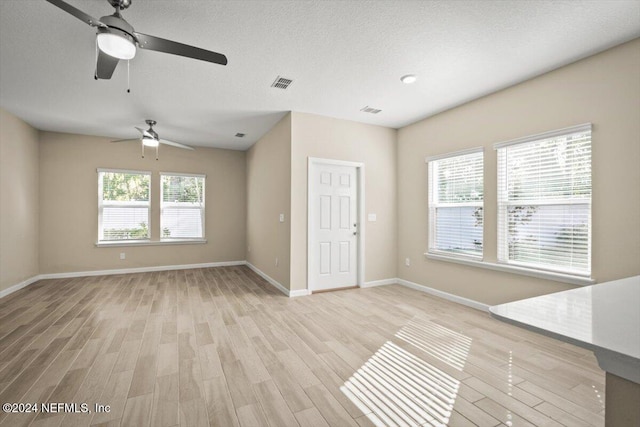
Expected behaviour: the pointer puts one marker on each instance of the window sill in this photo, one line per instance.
(540, 274)
(114, 244)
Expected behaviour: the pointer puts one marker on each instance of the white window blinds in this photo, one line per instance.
(456, 204)
(182, 206)
(544, 201)
(123, 205)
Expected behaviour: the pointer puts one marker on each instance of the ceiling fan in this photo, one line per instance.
(150, 138)
(116, 40)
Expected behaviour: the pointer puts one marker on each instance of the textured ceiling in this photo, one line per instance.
(342, 56)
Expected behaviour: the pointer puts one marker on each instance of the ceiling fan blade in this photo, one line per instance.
(87, 19)
(176, 144)
(126, 140)
(105, 66)
(162, 45)
(144, 133)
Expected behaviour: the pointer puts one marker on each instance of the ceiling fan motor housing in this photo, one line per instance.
(116, 22)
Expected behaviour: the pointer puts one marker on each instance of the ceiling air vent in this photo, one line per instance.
(240, 135)
(281, 82)
(371, 110)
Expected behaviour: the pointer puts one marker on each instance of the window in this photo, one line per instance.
(456, 204)
(544, 201)
(182, 208)
(123, 205)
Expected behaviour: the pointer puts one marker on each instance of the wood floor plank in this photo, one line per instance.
(474, 414)
(220, 407)
(167, 359)
(144, 376)
(115, 395)
(91, 389)
(239, 385)
(511, 403)
(329, 407)
(193, 413)
(310, 418)
(503, 414)
(560, 415)
(165, 411)
(293, 394)
(251, 416)
(137, 411)
(273, 405)
(458, 420)
(190, 380)
(570, 403)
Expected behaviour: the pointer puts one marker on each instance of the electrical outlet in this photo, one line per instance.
(407, 262)
(123, 255)
(276, 261)
(281, 217)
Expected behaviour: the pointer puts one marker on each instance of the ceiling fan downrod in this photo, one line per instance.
(120, 4)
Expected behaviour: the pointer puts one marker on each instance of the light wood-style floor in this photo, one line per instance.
(221, 347)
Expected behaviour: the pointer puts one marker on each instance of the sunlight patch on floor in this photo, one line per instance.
(396, 388)
(449, 346)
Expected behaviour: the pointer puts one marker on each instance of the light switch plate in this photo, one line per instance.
(281, 217)
(372, 217)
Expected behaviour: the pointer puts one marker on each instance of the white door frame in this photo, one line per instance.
(312, 162)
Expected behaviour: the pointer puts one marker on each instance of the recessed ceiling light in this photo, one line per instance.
(408, 79)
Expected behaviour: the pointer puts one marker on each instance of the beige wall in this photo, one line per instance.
(268, 196)
(18, 200)
(69, 204)
(604, 90)
(375, 146)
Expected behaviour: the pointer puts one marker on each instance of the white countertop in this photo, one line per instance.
(604, 318)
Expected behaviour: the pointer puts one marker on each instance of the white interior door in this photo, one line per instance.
(333, 222)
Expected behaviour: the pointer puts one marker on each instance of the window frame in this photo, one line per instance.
(433, 205)
(503, 204)
(163, 206)
(101, 206)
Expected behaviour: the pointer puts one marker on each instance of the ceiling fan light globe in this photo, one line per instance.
(116, 45)
(150, 142)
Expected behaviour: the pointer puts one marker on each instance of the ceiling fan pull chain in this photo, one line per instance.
(128, 81)
(95, 73)
(142, 145)
(157, 147)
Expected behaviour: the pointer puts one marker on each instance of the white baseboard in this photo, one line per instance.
(446, 295)
(19, 286)
(299, 293)
(274, 282)
(278, 285)
(295, 293)
(139, 269)
(382, 282)
(72, 274)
